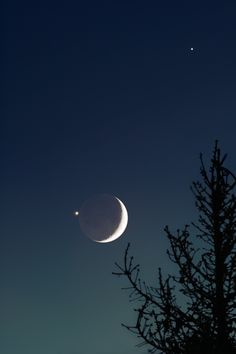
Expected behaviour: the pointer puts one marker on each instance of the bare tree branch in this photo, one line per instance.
(205, 276)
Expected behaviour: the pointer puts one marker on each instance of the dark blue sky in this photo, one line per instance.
(102, 96)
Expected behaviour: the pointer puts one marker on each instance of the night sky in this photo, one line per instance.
(102, 97)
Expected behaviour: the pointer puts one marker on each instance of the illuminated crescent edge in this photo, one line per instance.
(122, 226)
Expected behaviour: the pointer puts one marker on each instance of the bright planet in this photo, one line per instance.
(103, 218)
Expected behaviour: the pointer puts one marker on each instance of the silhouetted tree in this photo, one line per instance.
(206, 276)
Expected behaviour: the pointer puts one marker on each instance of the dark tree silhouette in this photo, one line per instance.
(206, 276)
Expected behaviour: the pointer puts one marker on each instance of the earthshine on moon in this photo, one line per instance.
(103, 218)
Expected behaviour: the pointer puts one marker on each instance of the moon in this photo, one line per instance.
(103, 218)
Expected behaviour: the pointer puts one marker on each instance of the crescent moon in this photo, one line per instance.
(103, 218)
(121, 227)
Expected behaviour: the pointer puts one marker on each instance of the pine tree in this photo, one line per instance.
(206, 276)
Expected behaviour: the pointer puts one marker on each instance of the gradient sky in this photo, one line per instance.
(102, 97)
